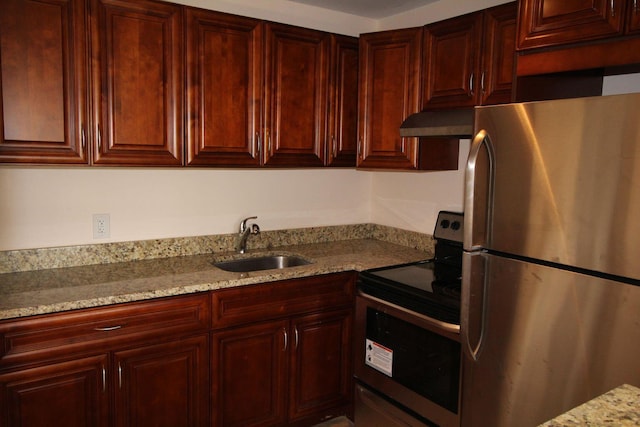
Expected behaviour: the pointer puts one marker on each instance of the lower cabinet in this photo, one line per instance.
(70, 394)
(284, 354)
(163, 385)
(270, 355)
(139, 364)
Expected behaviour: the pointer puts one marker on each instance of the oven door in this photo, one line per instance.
(409, 358)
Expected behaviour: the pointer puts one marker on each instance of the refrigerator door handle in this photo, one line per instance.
(473, 302)
(477, 219)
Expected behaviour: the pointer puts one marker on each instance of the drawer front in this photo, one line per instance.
(49, 336)
(248, 304)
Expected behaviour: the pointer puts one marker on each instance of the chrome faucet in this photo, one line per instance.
(244, 232)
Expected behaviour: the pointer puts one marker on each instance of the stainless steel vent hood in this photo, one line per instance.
(455, 123)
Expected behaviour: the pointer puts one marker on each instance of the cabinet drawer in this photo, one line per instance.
(52, 335)
(272, 300)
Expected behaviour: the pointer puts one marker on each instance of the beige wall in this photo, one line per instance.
(46, 206)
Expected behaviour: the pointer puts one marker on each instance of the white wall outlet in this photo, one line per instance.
(101, 227)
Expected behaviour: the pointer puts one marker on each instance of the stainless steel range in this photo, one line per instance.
(407, 364)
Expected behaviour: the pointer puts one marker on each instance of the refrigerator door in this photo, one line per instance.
(544, 340)
(565, 184)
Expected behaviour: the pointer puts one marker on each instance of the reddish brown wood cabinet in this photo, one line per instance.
(137, 82)
(281, 352)
(342, 141)
(296, 76)
(469, 60)
(225, 59)
(143, 363)
(389, 93)
(43, 82)
(545, 23)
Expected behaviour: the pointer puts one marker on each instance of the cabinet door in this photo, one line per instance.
(43, 85)
(163, 385)
(498, 54)
(138, 84)
(633, 14)
(224, 89)
(389, 93)
(296, 96)
(343, 104)
(554, 22)
(451, 64)
(321, 363)
(67, 394)
(249, 375)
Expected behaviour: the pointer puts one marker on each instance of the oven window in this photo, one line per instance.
(425, 362)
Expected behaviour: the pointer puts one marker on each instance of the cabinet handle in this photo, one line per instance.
(296, 337)
(99, 138)
(269, 142)
(119, 375)
(108, 328)
(104, 379)
(334, 145)
(83, 138)
(613, 10)
(286, 339)
(258, 143)
(635, 6)
(482, 82)
(360, 147)
(471, 83)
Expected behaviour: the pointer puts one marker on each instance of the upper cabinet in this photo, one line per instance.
(257, 93)
(137, 82)
(224, 89)
(389, 93)
(296, 77)
(553, 22)
(563, 36)
(469, 60)
(43, 83)
(343, 102)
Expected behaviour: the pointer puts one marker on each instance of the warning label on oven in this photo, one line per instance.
(379, 357)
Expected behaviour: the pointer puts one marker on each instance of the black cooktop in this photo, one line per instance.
(430, 287)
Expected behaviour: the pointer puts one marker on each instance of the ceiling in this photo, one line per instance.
(368, 8)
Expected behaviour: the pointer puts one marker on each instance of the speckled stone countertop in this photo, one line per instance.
(619, 407)
(40, 290)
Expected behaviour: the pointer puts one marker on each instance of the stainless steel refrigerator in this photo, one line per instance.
(551, 270)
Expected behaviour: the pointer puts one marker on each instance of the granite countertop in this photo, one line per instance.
(619, 407)
(52, 290)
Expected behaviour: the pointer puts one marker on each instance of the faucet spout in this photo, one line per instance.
(244, 232)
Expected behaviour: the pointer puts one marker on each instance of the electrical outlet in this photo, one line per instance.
(101, 227)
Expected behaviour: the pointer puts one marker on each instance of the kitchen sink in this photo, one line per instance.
(268, 262)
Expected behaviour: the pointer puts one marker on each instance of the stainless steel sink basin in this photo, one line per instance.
(269, 262)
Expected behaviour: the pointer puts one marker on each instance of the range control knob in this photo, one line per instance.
(444, 223)
(455, 225)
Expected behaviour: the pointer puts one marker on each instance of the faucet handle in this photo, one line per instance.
(243, 223)
(255, 229)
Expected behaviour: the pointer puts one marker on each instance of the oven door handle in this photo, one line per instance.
(446, 326)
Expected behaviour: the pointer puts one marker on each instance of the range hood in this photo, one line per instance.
(454, 123)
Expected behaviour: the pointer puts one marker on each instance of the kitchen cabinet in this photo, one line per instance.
(281, 352)
(43, 85)
(257, 93)
(143, 363)
(560, 44)
(225, 61)
(137, 81)
(69, 394)
(545, 23)
(296, 87)
(469, 60)
(342, 141)
(389, 93)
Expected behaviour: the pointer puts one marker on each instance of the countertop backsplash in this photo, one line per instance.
(107, 253)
